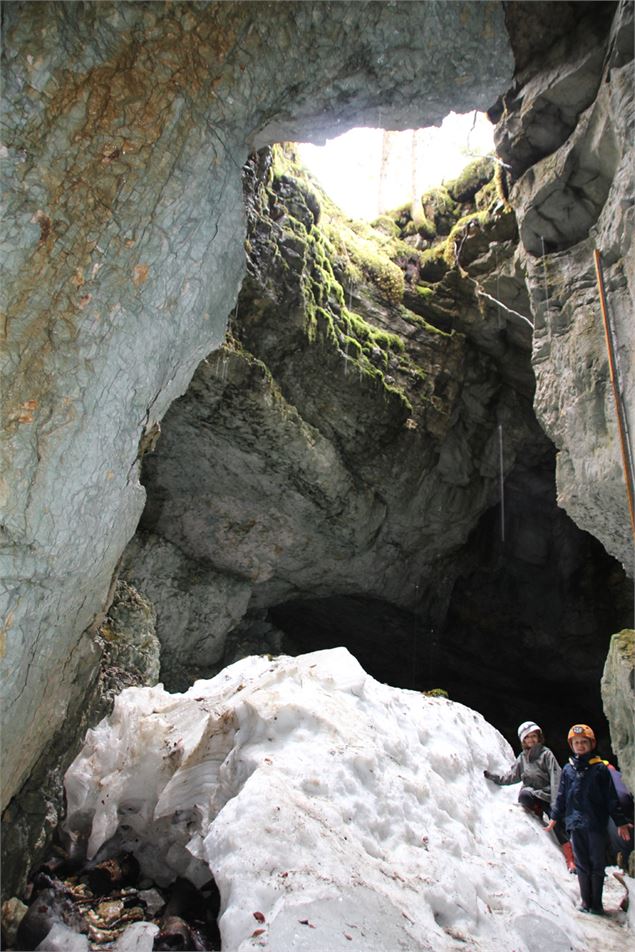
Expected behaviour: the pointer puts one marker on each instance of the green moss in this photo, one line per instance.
(351, 347)
(371, 336)
(471, 180)
(427, 229)
(487, 196)
(424, 291)
(440, 210)
(433, 264)
(330, 258)
(414, 370)
(364, 255)
(479, 219)
(623, 643)
(386, 225)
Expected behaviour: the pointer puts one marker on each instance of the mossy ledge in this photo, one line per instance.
(365, 293)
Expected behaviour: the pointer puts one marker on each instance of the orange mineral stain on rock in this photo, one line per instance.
(25, 411)
(140, 275)
(4, 630)
(44, 222)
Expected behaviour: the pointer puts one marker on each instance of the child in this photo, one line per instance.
(539, 772)
(586, 799)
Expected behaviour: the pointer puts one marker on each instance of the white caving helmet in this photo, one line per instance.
(527, 727)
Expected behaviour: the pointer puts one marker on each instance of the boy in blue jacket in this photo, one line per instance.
(586, 799)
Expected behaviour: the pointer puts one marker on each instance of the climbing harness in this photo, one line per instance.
(627, 456)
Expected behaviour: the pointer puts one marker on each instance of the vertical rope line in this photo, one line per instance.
(414, 639)
(502, 483)
(498, 292)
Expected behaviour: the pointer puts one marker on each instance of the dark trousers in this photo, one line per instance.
(589, 851)
(618, 845)
(535, 805)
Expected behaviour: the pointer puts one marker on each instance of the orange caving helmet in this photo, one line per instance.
(581, 730)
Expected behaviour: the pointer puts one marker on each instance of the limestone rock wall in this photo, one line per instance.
(125, 652)
(618, 695)
(339, 443)
(125, 128)
(567, 134)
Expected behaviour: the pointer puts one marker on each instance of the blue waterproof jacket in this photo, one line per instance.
(586, 795)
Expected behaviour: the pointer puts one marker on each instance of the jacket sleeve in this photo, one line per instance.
(512, 775)
(555, 773)
(612, 800)
(560, 805)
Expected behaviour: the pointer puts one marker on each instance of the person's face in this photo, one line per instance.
(531, 739)
(581, 745)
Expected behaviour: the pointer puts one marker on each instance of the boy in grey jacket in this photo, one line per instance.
(539, 771)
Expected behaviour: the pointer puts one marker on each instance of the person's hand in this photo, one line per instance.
(624, 831)
(550, 825)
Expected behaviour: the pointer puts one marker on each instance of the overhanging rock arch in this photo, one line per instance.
(126, 128)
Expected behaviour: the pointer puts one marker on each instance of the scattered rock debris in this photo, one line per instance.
(100, 901)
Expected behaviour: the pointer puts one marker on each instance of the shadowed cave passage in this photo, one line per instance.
(525, 630)
(398, 648)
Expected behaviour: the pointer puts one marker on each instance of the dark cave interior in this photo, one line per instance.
(525, 632)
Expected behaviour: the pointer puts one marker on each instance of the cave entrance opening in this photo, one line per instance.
(368, 171)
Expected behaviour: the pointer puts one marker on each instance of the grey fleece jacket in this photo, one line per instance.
(539, 771)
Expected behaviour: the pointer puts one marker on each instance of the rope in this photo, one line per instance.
(483, 293)
(502, 479)
(619, 406)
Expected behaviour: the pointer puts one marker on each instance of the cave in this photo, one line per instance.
(157, 235)
(531, 589)
(289, 484)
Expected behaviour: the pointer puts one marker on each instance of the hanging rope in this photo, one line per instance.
(502, 479)
(627, 461)
(479, 290)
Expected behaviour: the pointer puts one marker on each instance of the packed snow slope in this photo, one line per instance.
(334, 812)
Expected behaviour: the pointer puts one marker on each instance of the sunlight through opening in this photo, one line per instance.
(370, 171)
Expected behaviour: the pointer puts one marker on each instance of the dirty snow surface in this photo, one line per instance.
(334, 812)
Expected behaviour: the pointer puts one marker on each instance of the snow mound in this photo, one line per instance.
(344, 813)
